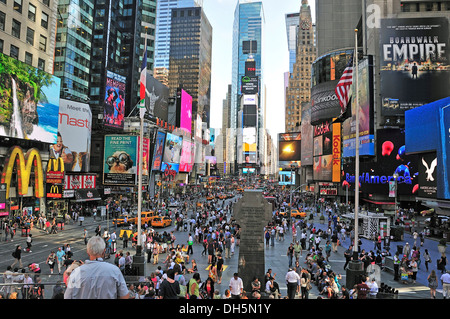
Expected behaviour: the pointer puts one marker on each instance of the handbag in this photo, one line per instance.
(183, 291)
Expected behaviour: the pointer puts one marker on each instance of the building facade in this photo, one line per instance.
(190, 58)
(298, 89)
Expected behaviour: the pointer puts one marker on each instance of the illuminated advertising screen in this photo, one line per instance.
(156, 98)
(114, 102)
(392, 158)
(145, 160)
(414, 64)
(286, 178)
(307, 140)
(366, 136)
(158, 151)
(73, 143)
(249, 85)
(323, 151)
(289, 149)
(249, 145)
(187, 156)
(120, 160)
(29, 101)
(184, 111)
(172, 152)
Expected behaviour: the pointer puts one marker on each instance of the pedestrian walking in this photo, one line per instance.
(17, 254)
(292, 282)
(432, 283)
(427, 258)
(51, 261)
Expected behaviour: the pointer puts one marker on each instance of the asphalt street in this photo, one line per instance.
(275, 257)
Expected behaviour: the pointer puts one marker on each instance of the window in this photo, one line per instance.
(42, 43)
(15, 28)
(32, 12)
(2, 43)
(41, 64)
(18, 5)
(46, 2)
(44, 20)
(28, 58)
(14, 52)
(30, 36)
(2, 20)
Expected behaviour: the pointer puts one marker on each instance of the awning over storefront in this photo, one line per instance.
(84, 195)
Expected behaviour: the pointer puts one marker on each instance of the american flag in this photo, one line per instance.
(344, 84)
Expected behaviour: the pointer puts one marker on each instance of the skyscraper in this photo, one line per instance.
(190, 58)
(292, 23)
(73, 48)
(163, 28)
(298, 90)
(247, 46)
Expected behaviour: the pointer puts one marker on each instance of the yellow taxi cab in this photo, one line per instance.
(120, 220)
(298, 214)
(222, 196)
(209, 197)
(145, 218)
(161, 221)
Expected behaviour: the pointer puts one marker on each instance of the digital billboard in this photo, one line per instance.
(324, 102)
(156, 98)
(249, 145)
(392, 158)
(250, 116)
(29, 101)
(184, 111)
(249, 85)
(307, 131)
(366, 125)
(187, 156)
(73, 142)
(158, 151)
(172, 152)
(323, 153)
(120, 160)
(286, 178)
(414, 64)
(289, 149)
(114, 102)
(250, 68)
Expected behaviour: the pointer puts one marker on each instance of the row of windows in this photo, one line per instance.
(31, 13)
(16, 31)
(14, 53)
(428, 6)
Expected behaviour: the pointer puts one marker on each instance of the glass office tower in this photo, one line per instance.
(190, 58)
(248, 26)
(73, 48)
(163, 29)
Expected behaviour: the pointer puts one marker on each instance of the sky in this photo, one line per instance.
(220, 14)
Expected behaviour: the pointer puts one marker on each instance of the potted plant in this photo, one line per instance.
(442, 246)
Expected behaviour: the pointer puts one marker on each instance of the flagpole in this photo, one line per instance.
(355, 72)
(142, 110)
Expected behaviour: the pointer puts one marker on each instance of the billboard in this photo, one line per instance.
(428, 175)
(249, 85)
(24, 164)
(172, 152)
(324, 102)
(187, 156)
(184, 111)
(307, 131)
(73, 143)
(250, 116)
(286, 178)
(414, 64)
(80, 181)
(249, 145)
(392, 158)
(29, 101)
(120, 160)
(323, 151)
(156, 98)
(249, 46)
(114, 102)
(366, 136)
(289, 149)
(250, 68)
(158, 151)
